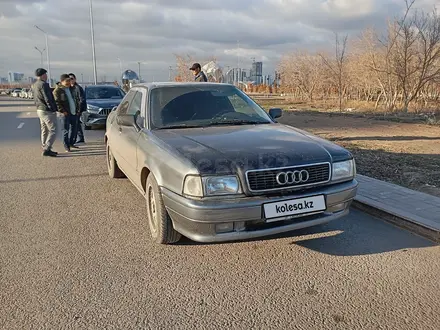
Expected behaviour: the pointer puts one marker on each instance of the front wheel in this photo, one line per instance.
(161, 227)
(112, 165)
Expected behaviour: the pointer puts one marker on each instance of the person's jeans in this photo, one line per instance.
(48, 124)
(80, 128)
(69, 127)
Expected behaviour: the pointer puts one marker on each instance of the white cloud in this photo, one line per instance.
(152, 32)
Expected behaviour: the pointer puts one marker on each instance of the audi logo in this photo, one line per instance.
(284, 178)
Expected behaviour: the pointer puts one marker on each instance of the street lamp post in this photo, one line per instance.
(139, 71)
(92, 32)
(120, 67)
(47, 54)
(41, 53)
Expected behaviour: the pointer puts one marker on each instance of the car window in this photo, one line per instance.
(135, 104)
(202, 106)
(110, 92)
(123, 108)
(240, 105)
(135, 109)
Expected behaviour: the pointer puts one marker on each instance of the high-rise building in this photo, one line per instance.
(256, 75)
(14, 77)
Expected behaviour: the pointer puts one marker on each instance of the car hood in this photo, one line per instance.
(234, 149)
(104, 103)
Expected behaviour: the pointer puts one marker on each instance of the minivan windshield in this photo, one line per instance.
(209, 105)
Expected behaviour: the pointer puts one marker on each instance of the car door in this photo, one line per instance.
(113, 131)
(128, 137)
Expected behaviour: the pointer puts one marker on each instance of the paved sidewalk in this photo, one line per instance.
(404, 205)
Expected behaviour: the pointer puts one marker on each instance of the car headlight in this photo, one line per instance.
(211, 186)
(344, 170)
(92, 108)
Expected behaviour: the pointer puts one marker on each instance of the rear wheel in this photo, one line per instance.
(161, 227)
(112, 165)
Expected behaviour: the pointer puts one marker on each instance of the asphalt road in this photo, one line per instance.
(75, 253)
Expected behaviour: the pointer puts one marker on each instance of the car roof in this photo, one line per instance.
(96, 86)
(180, 84)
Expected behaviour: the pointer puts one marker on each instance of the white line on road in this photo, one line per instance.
(20, 126)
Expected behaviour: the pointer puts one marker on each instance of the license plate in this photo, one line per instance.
(294, 207)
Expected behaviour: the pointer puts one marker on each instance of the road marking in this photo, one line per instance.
(20, 126)
(28, 113)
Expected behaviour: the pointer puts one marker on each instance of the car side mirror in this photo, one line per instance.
(275, 113)
(126, 120)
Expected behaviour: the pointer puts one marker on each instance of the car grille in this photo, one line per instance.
(265, 180)
(105, 111)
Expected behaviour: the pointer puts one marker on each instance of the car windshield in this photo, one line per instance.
(95, 93)
(193, 106)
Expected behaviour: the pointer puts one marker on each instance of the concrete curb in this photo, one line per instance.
(398, 220)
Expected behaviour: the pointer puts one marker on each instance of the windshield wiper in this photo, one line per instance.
(180, 126)
(237, 122)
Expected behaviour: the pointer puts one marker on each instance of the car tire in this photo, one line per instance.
(161, 226)
(112, 165)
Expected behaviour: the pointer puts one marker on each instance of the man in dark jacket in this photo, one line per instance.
(199, 75)
(80, 95)
(46, 110)
(69, 107)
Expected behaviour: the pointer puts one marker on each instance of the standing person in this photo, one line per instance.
(46, 110)
(199, 75)
(68, 106)
(79, 95)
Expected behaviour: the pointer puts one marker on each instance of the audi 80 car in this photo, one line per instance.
(214, 166)
(100, 99)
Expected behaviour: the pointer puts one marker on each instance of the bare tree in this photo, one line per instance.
(418, 54)
(338, 65)
(303, 71)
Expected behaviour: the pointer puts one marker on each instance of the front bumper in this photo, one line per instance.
(92, 119)
(199, 219)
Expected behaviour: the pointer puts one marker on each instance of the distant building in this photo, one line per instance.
(256, 74)
(235, 74)
(14, 77)
(3, 80)
(31, 80)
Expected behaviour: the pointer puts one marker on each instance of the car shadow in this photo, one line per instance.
(355, 235)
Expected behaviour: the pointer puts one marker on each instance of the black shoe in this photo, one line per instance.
(49, 153)
(80, 141)
(74, 146)
(67, 149)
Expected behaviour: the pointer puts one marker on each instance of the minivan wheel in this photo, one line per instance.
(161, 226)
(113, 169)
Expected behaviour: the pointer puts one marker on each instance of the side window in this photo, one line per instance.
(135, 105)
(123, 108)
(136, 108)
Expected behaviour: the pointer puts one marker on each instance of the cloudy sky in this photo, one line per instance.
(152, 31)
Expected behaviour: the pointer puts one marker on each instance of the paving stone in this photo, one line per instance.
(403, 202)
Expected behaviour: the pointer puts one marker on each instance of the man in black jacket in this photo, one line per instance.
(46, 110)
(68, 106)
(80, 95)
(199, 75)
